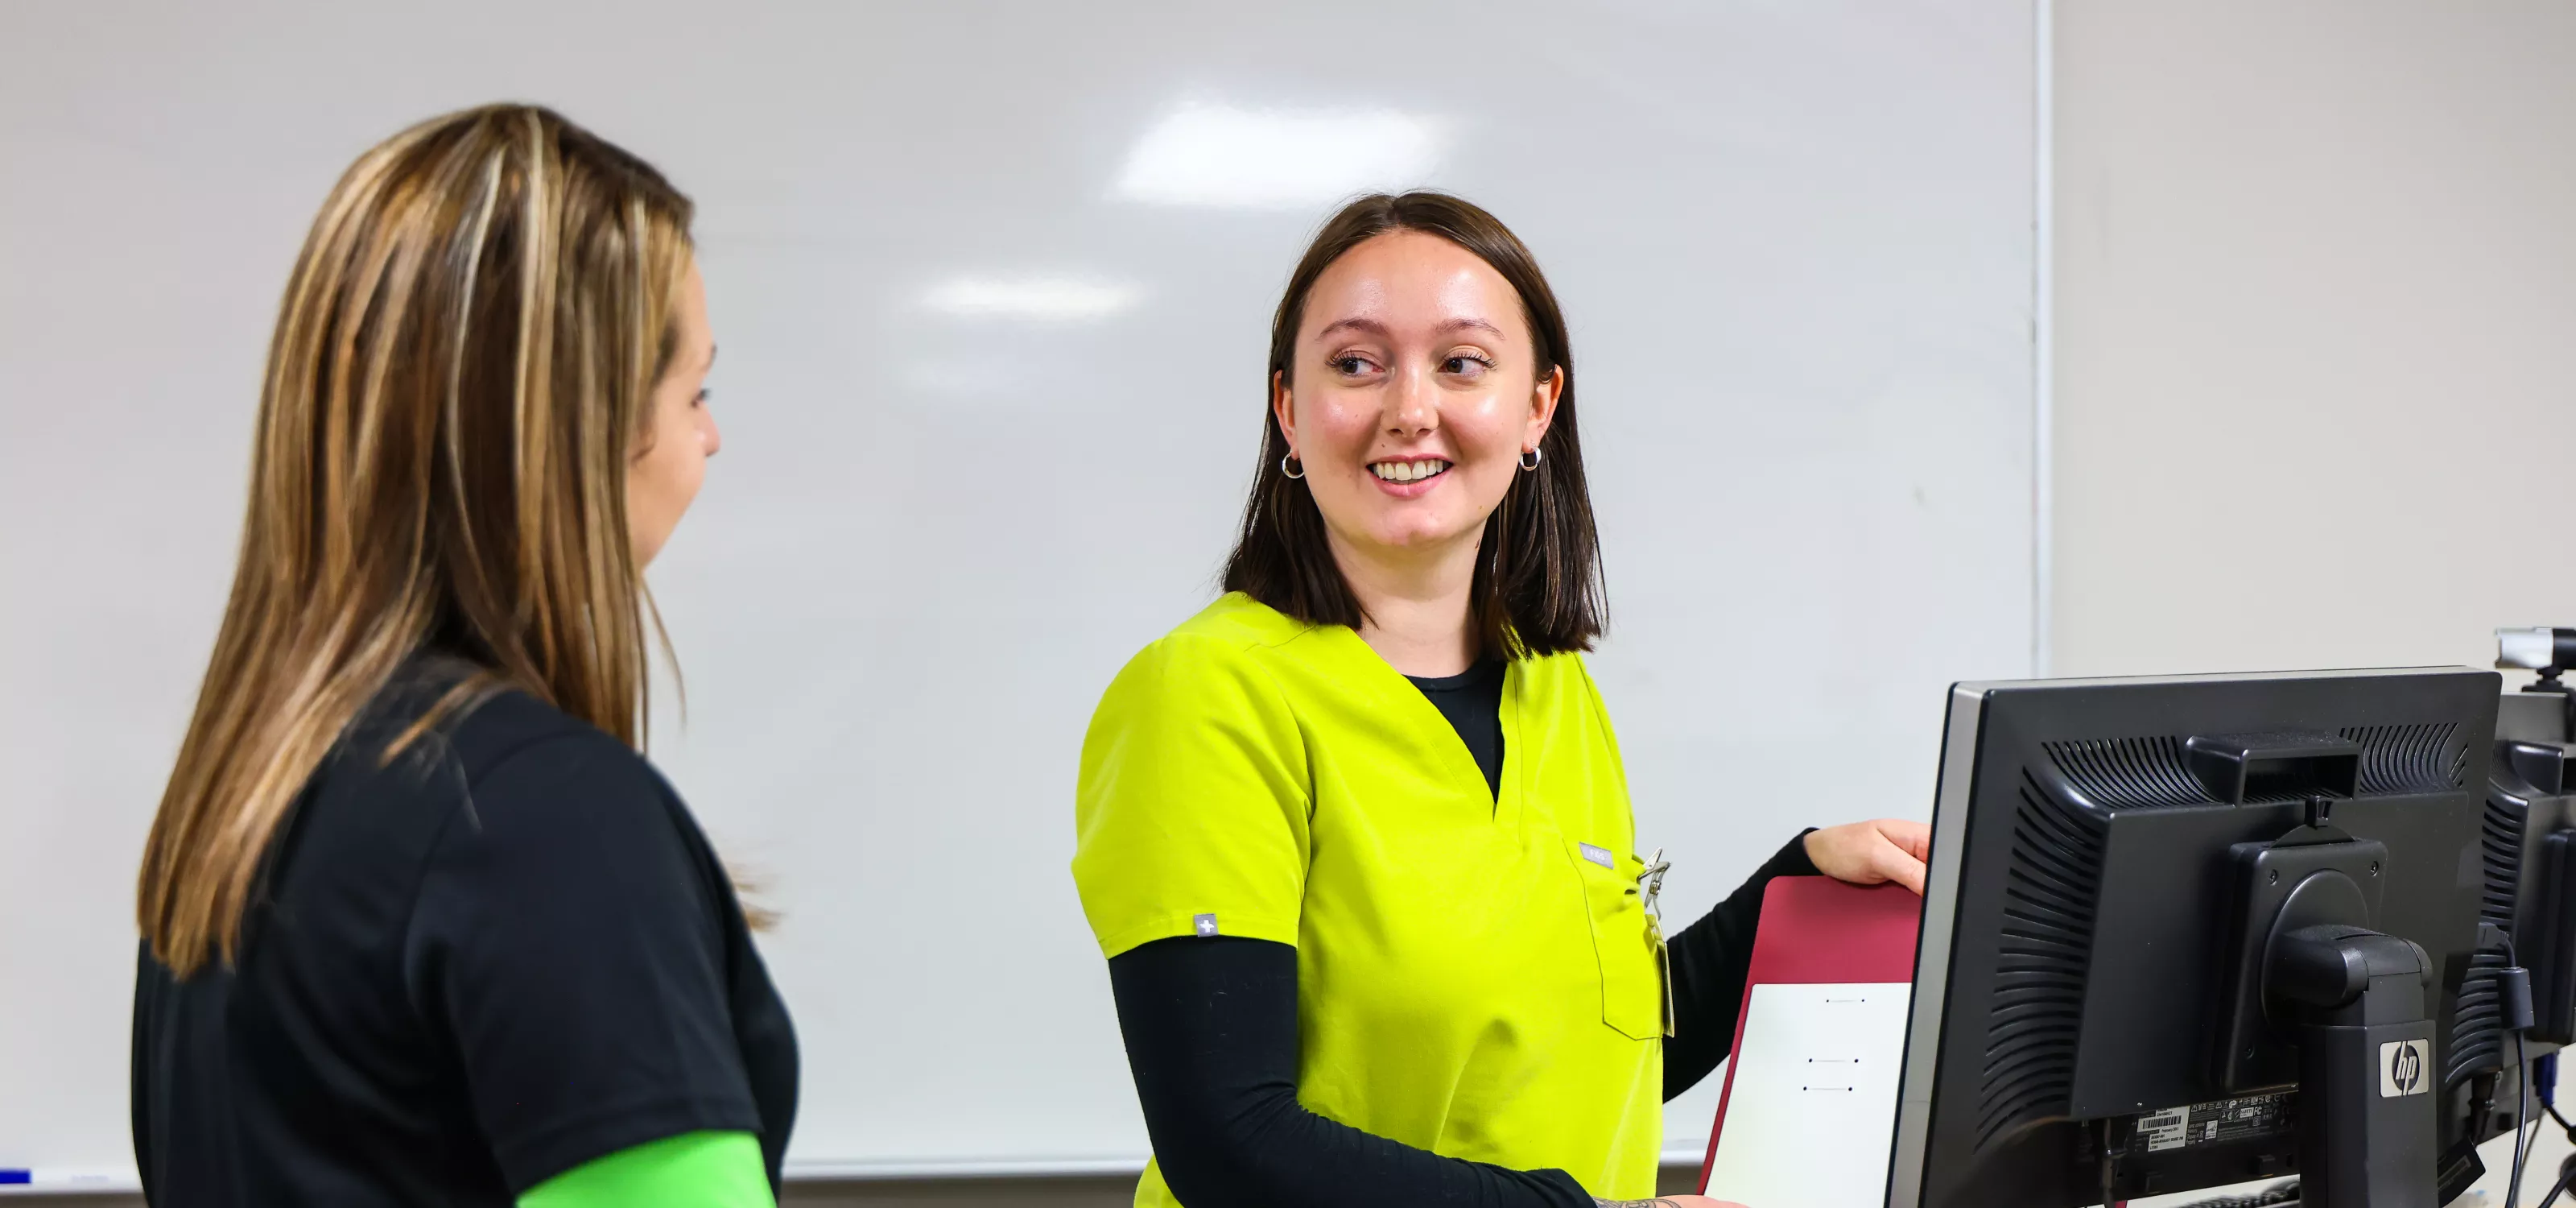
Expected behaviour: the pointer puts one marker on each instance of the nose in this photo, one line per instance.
(708, 437)
(1412, 404)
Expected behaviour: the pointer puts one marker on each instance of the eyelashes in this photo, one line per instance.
(1352, 364)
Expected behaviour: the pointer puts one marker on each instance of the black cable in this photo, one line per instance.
(2105, 1143)
(2522, 1133)
(2286, 1192)
(2560, 1188)
(2523, 1136)
(2552, 1108)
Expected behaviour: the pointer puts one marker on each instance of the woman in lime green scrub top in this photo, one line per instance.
(420, 924)
(1356, 839)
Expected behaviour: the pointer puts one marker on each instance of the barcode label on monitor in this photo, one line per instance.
(2210, 1123)
(2166, 1130)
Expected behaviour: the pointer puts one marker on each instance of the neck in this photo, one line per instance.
(1416, 603)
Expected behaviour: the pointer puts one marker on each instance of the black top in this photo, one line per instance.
(1211, 1029)
(507, 953)
(1473, 703)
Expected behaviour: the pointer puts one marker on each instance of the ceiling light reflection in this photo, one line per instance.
(1215, 155)
(1044, 299)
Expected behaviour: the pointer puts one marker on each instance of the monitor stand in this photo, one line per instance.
(2308, 968)
(2367, 1127)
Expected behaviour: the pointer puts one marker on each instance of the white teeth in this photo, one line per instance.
(1408, 471)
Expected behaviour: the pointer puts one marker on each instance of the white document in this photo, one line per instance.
(1811, 1118)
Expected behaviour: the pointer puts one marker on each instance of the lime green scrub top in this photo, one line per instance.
(1476, 975)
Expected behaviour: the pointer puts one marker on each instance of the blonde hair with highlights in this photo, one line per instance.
(462, 370)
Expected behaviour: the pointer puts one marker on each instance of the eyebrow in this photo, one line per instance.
(1375, 328)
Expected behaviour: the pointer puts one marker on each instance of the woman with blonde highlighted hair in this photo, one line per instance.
(420, 924)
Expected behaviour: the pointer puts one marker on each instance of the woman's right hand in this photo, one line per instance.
(1873, 853)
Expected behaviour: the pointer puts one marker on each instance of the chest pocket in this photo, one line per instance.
(1632, 966)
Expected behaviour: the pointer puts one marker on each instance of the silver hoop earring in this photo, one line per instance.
(1284, 459)
(1530, 460)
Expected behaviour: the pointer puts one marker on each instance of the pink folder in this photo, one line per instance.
(1820, 930)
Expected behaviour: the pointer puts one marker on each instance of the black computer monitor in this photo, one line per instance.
(2192, 931)
(2529, 898)
(2531, 843)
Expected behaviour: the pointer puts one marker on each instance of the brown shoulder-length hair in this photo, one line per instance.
(459, 378)
(1538, 587)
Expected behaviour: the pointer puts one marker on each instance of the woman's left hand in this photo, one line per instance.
(1873, 852)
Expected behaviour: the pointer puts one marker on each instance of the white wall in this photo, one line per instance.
(2315, 331)
(2315, 346)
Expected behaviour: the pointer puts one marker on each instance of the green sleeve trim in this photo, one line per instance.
(692, 1170)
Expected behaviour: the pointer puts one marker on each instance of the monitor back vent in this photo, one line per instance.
(2129, 773)
(2500, 852)
(2031, 1029)
(2428, 757)
(2477, 1025)
(2153, 773)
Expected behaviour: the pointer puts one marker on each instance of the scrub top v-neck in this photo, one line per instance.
(1475, 971)
(1472, 701)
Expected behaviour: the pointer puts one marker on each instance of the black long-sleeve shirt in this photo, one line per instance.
(1211, 1028)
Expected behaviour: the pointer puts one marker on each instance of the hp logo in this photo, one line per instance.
(2401, 1068)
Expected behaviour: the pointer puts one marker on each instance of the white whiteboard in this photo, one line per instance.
(992, 283)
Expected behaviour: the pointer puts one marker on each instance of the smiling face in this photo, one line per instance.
(1414, 392)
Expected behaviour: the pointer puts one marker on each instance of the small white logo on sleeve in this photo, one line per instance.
(1599, 855)
(1207, 925)
(2401, 1068)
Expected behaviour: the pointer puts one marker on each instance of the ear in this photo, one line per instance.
(1543, 398)
(1283, 409)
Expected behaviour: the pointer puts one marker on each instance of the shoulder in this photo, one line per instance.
(1557, 691)
(1239, 623)
(1214, 682)
(522, 754)
(501, 745)
(1563, 676)
(507, 791)
(528, 785)
(493, 728)
(1230, 642)
(501, 738)
(511, 737)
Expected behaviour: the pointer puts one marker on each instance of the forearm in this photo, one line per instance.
(1211, 1029)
